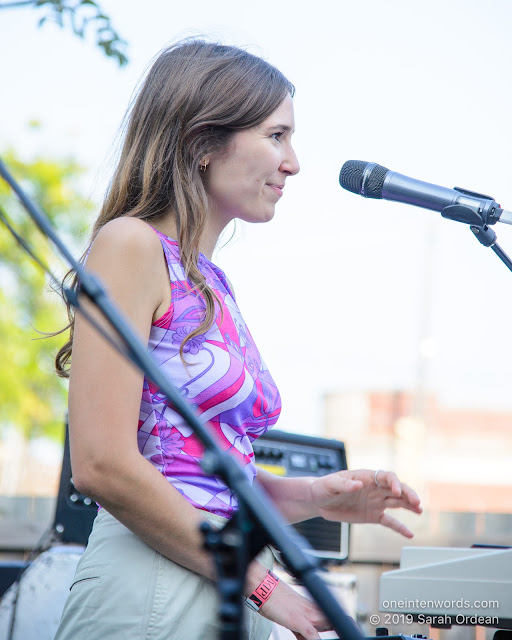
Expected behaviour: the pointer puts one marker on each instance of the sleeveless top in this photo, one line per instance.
(225, 380)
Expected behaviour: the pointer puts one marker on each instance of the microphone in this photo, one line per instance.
(372, 180)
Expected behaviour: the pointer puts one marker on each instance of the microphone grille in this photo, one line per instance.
(364, 178)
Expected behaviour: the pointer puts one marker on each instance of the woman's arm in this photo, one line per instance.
(347, 496)
(104, 401)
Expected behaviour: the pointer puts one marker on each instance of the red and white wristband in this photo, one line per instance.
(263, 592)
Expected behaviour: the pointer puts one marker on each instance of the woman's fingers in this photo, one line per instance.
(400, 503)
(388, 480)
(295, 612)
(364, 496)
(337, 483)
(392, 523)
(309, 634)
(412, 498)
(404, 496)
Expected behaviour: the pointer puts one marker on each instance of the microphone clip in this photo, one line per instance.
(481, 231)
(460, 213)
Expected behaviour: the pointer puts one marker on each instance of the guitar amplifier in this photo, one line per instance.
(287, 454)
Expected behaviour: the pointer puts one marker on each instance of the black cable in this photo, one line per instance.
(21, 241)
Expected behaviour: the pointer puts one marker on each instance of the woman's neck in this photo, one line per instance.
(167, 225)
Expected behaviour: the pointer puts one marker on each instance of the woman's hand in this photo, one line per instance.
(364, 496)
(289, 609)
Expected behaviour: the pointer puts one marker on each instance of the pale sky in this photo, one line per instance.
(334, 289)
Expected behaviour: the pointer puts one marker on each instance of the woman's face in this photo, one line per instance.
(247, 180)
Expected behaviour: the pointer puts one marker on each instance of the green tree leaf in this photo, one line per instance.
(32, 397)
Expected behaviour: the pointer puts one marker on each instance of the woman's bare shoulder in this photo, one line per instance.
(127, 235)
(127, 255)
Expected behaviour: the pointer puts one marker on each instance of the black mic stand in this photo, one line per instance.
(258, 520)
(478, 223)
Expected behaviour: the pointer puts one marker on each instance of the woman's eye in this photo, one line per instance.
(277, 135)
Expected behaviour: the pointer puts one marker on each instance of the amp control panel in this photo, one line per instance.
(297, 459)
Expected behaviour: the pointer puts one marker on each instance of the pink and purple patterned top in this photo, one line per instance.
(227, 384)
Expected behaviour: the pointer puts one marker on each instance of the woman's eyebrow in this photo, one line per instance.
(281, 127)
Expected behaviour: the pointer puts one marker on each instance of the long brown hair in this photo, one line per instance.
(196, 95)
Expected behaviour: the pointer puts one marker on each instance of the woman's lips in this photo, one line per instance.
(278, 188)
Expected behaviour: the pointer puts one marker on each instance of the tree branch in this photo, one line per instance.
(14, 5)
(61, 10)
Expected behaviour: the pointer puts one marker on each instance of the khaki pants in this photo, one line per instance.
(125, 590)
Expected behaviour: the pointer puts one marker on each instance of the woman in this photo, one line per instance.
(208, 140)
